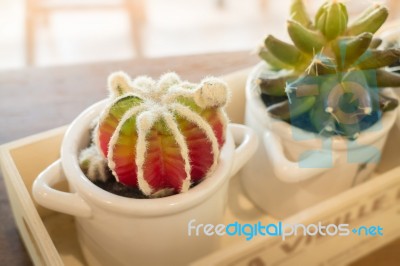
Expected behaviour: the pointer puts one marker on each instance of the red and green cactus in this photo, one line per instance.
(343, 60)
(161, 136)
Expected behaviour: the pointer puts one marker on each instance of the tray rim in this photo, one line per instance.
(34, 234)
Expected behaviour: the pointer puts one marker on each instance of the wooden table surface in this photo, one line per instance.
(38, 99)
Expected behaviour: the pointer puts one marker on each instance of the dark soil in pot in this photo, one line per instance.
(114, 187)
(111, 185)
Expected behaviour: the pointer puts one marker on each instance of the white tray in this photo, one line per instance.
(50, 237)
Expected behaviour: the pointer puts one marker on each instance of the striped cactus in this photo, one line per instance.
(161, 136)
(344, 61)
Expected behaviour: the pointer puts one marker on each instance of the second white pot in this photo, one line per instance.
(288, 174)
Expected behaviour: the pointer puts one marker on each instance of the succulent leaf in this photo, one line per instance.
(306, 40)
(288, 110)
(371, 21)
(386, 103)
(366, 12)
(274, 62)
(375, 43)
(374, 59)
(275, 86)
(386, 79)
(348, 50)
(298, 13)
(283, 51)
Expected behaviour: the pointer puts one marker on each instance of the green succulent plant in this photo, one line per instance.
(333, 71)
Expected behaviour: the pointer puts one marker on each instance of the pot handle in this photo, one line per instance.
(47, 196)
(246, 144)
(292, 172)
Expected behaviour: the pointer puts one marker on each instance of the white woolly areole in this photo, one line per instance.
(144, 83)
(96, 138)
(212, 92)
(119, 84)
(188, 85)
(168, 80)
(96, 169)
(175, 92)
(224, 118)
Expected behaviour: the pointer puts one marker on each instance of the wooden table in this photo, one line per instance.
(39, 99)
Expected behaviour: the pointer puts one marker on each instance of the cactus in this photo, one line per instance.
(332, 69)
(160, 137)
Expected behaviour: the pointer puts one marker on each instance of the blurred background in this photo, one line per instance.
(35, 33)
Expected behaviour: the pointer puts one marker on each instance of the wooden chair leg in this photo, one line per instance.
(394, 7)
(29, 33)
(263, 4)
(221, 4)
(137, 14)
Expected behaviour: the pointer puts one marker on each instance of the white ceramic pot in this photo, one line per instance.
(390, 35)
(294, 169)
(114, 230)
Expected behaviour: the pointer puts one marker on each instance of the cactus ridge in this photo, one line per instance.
(331, 51)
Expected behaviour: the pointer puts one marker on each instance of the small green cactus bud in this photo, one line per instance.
(321, 11)
(93, 164)
(332, 19)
